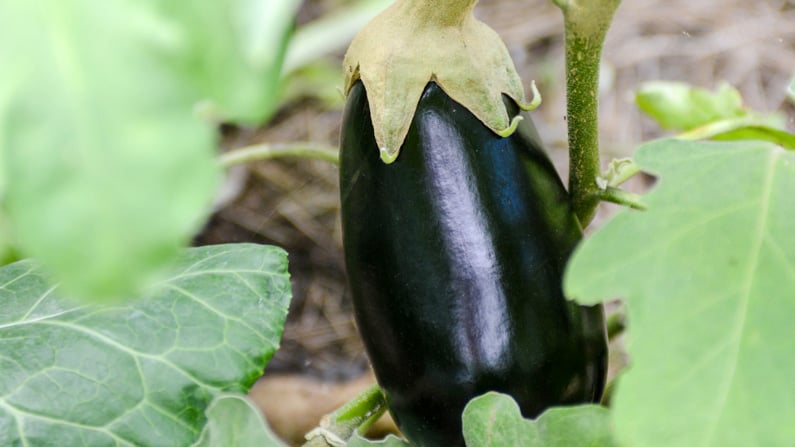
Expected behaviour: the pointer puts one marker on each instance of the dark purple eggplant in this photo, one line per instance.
(455, 254)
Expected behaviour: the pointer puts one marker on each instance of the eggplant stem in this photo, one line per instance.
(355, 417)
(586, 25)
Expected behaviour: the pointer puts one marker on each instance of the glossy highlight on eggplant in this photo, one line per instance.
(455, 254)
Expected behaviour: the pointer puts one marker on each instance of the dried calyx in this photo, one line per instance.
(414, 42)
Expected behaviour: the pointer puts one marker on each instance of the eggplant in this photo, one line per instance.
(455, 254)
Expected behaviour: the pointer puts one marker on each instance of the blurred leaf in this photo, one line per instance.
(106, 168)
(233, 52)
(494, 420)
(389, 441)
(745, 128)
(708, 274)
(319, 80)
(705, 115)
(791, 90)
(759, 132)
(330, 33)
(141, 374)
(680, 106)
(233, 420)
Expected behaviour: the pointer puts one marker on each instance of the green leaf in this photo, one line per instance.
(234, 53)
(704, 115)
(389, 441)
(680, 106)
(708, 274)
(618, 171)
(745, 128)
(791, 90)
(318, 80)
(107, 170)
(233, 420)
(494, 420)
(141, 374)
(758, 132)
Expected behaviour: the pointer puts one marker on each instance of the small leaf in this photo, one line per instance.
(318, 80)
(618, 171)
(389, 441)
(708, 274)
(141, 374)
(680, 106)
(494, 420)
(759, 132)
(232, 420)
(791, 90)
(745, 128)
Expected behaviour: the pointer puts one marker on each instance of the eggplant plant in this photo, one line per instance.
(479, 300)
(456, 241)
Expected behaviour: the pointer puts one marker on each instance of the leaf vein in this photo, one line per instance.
(745, 300)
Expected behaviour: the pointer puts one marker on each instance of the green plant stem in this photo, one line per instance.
(266, 151)
(620, 197)
(587, 22)
(356, 416)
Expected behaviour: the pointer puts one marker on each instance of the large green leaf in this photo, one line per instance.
(107, 170)
(141, 374)
(494, 420)
(708, 274)
(233, 420)
(106, 167)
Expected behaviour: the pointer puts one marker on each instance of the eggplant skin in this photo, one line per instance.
(455, 254)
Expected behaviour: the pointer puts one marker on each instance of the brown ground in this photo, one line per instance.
(294, 203)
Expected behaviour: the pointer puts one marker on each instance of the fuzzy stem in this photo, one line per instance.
(267, 151)
(587, 22)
